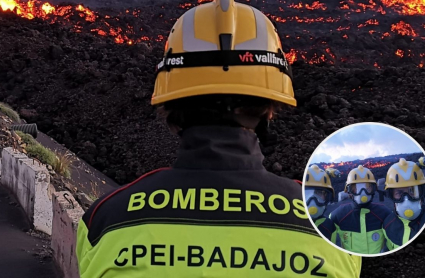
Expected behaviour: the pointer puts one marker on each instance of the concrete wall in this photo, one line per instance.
(30, 182)
(54, 213)
(12, 175)
(43, 212)
(66, 215)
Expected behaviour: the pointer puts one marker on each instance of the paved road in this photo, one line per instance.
(21, 255)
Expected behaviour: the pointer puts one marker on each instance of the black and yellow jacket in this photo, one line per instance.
(216, 213)
(327, 228)
(398, 231)
(360, 226)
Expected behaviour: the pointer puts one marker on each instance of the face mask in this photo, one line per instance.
(362, 199)
(314, 210)
(408, 209)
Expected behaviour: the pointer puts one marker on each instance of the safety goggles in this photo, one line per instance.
(367, 188)
(413, 193)
(322, 196)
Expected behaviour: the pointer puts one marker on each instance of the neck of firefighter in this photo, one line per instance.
(250, 123)
(219, 147)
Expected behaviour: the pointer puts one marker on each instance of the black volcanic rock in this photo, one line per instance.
(56, 51)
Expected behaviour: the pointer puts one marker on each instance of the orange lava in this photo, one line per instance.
(185, 5)
(404, 29)
(316, 5)
(340, 28)
(291, 56)
(104, 24)
(368, 164)
(88, 14)
(37, 9)
(368, 22)
(328, 50)
(372, 165)
(399, 53)
(406, 7)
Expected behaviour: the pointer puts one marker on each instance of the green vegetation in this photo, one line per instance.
(43, 154)
(95, 192)
(93, 197)
(60, 162)
(26, 138)
(8, 111)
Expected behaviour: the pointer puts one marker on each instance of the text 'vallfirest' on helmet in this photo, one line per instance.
(223, 47)
(359, 175)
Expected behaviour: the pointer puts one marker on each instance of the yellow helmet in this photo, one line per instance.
(404, 174)
(333, 172)
(223, 47)
(318, 178)
(359, 175)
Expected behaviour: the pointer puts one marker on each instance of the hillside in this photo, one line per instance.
(378, 165)
(92, 94)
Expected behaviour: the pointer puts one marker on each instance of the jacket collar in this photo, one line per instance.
(219, 148)
(356, 206)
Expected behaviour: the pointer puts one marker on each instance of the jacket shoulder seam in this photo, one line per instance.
(119, 190)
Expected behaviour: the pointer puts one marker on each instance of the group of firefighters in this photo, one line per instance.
(362, 226)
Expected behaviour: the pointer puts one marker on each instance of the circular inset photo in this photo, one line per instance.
(363, 189)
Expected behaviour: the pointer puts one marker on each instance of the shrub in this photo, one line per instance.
(8, 111)
(43, 154)
(62, 164)
(26, 138)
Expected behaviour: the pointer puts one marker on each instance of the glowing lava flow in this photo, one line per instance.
(316, 5)
(372, 165)
(369, 22)
(291, 56)
(36, 9)
(291, 14)
(351, 165)
(404, 29)
(89, 15)
(406, 7)
(28, 10)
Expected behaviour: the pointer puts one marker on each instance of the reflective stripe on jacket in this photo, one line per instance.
(216, 213)
(398, 231)
(360, 227)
